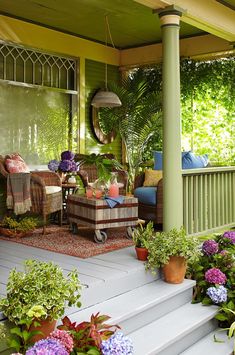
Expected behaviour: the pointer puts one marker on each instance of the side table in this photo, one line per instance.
(96, 214)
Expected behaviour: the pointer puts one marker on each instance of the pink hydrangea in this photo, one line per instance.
(64, 337)
(215, 276)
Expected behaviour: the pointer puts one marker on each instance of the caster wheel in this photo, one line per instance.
(129, 232)
(100, 237)
(74, 228)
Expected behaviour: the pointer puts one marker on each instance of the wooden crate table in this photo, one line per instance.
(96, 214)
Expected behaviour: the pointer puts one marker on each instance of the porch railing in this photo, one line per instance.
(209, 199)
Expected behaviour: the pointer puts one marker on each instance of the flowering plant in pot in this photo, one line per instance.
(141, 236)
(171, 251)
(38, 296)
(65, 166)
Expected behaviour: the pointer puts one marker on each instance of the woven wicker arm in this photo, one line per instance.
(49, 177)
(139, 180)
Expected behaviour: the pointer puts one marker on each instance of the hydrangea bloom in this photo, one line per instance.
(230, 235)
(215, 276)
(67, 155)
(117, 344)
(64, 337)
(217, 294)
(223, 252)
(53, 165)
(47, 347)
(210, 247)
(65, 165)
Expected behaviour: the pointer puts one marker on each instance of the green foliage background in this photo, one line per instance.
(207, 108)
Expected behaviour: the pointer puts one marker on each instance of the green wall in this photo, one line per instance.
(95, 76)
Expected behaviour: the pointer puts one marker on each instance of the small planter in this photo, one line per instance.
(46, 327)
(7, 232)
(142, 253)
(174, 271)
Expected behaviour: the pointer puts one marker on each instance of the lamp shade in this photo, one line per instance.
(105, 98)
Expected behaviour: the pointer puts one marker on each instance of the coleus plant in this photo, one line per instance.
(89, 335)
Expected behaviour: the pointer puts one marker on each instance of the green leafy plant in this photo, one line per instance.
(89, 335)
(22, 225)
(172, 243)
(41, 291)
(105, 165)
(142, 235)
(136, 120)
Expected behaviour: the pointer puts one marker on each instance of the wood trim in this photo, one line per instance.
(105, 221)
(93, 207)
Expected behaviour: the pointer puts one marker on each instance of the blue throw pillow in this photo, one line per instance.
(192, 161)
(158, 159)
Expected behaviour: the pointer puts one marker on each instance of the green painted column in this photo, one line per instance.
(172, 176)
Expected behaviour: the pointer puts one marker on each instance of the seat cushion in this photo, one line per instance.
(192, 161)
(52, 189)
(146, 194)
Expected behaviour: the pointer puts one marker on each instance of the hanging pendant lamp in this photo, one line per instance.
(104, 97)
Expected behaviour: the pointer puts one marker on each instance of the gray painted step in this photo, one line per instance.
(142, 305)
(208, 346)
(176, 331)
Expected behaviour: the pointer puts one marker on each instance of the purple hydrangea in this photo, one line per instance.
(65, 165)
(73, 166)
(117, 344)
(217, 294)
(230, 235)
(67, 155)
(210, 247)
(53, 165)
(215, 276)
(47, 347)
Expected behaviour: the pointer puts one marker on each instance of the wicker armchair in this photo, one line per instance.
(44, 200)
(151, 212)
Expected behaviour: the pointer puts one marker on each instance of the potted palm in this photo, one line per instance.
(171, 251)
(141, 236)
(37, 297)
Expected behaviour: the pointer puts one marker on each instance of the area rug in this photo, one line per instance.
(82, 245)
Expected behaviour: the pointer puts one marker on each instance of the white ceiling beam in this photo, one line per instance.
(207, 15)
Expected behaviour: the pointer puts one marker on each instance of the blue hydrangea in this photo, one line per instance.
(217, 294)
(117, 344)
(53, 165)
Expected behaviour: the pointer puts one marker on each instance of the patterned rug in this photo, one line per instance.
(82, 245)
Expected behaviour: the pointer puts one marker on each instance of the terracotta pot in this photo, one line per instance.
(174, 271)
(142, 253)
(46, 327)
(7, 232)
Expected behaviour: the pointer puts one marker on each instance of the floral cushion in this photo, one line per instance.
(15, 164)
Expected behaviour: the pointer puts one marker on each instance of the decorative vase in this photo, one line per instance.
(72, 180)
(142, 253)
(46, 327)
(174, 271)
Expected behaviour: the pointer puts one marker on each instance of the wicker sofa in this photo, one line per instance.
(45, 191)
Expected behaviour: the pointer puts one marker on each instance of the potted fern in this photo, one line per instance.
(171, 251)
(141, 236)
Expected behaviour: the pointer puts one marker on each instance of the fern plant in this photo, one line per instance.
(136, 120)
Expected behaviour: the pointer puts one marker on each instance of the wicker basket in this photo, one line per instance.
(6, 232)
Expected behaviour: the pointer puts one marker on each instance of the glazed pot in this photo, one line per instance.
(142, 253)
(174, 271)
(46, 327)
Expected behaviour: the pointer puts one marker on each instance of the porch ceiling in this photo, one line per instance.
(131, 24)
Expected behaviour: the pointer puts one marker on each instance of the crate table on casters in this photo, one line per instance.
(96, 214)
